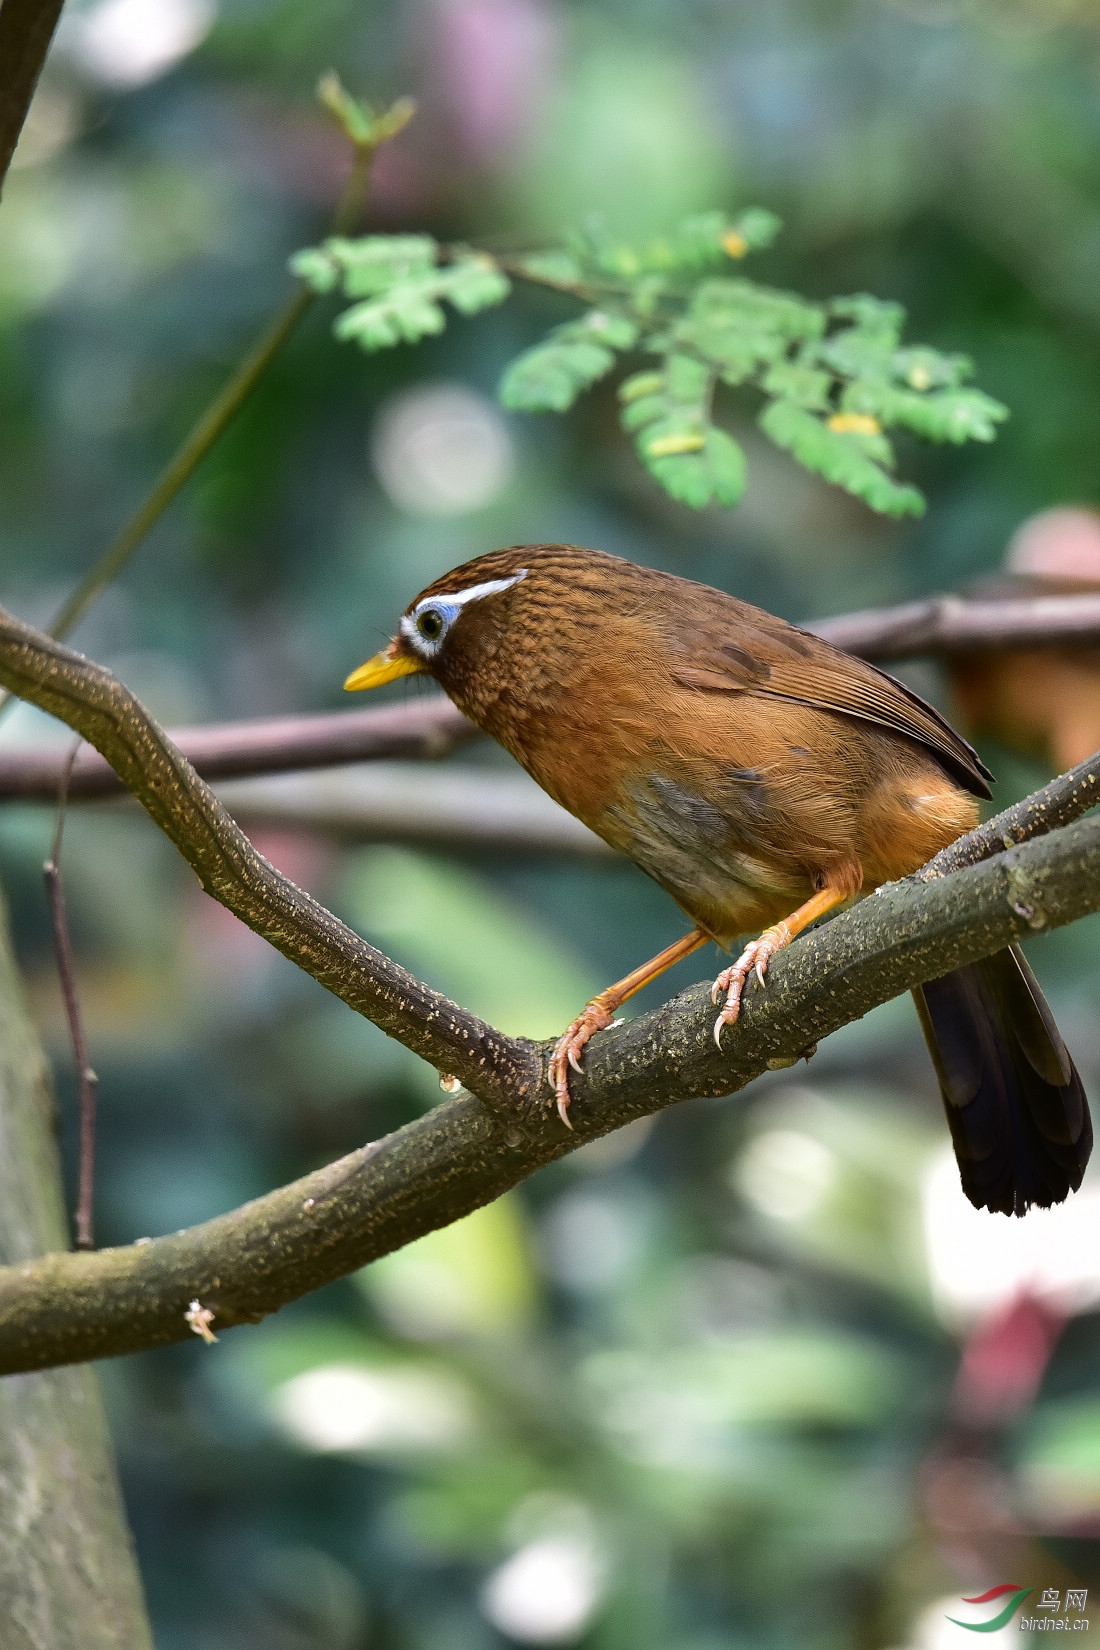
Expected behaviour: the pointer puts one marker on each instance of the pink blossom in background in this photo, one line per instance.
(492, 62)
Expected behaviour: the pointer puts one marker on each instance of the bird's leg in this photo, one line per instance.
(599, 1014)
(759, 953)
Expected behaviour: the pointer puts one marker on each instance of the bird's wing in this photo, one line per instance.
(770, 657)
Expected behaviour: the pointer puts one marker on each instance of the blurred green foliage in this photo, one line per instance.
(834, 389)
(695, 1379)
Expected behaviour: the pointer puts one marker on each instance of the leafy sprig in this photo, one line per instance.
(830, 377)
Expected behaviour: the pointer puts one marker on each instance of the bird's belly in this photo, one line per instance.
(693, 849)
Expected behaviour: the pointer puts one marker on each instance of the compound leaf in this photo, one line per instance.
(549, 377)
(839, 457)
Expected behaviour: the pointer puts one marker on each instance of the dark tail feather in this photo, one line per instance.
(1015, 1104)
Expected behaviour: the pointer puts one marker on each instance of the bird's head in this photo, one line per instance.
(453, 623)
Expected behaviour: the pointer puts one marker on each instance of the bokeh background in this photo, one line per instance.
(752, 1375)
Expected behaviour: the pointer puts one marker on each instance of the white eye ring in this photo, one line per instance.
(444, 610)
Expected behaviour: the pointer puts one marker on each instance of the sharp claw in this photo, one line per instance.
(574, 1062)
(718, 1024)
(563, 1112)
(714, 990)
(760, 973)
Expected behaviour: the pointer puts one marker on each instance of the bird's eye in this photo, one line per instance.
(430, 624)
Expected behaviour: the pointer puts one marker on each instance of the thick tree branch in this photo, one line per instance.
(26, 29)
(68, 1580)
(97, 706)
(67, 1307)
(1064, 799)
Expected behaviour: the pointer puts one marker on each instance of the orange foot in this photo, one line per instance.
(569, 1048)
(756, 956)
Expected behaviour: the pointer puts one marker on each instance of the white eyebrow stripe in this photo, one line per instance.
(459, 598)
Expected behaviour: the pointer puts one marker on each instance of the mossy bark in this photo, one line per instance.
(68, 1579)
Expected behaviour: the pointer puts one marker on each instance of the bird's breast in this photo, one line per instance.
(710, 856)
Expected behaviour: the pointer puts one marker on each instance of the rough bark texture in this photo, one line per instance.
(253, 1260)
(68, 1580)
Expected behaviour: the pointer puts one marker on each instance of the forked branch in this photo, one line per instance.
(68, 1307)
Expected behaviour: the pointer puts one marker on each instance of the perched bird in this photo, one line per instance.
(762, 777)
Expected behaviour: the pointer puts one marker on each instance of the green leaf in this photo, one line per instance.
(686, 379)
(876, 317)
(472, 283)
(939, 415)
(715, 473)
(377, 262)
(740, 326)
(573, 357)
(758, 308)
(405, 315)
(702, 241)
(854, 353)
(554, 265)
(806, 386)
(317, 268)
(926, 369)
(641, 384)
(838, 457)
(402, 286)
(549, 377)
(668, 412)
(756, 227)
(643, 409)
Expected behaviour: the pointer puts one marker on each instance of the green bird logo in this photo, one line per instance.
(1003, 1616)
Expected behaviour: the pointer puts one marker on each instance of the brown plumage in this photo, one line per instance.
(758, 774)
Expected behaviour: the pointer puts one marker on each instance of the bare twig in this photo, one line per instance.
(958, 624)
(431, 728)
(26, 29)
(230, 750)
(229, 400)
(87, 1081)
(453, 807)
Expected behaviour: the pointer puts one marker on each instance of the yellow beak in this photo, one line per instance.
(385, 667)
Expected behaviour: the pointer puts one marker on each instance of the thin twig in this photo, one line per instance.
(214, 420)
(234, 750)
(231, 750)
(87, 1080)
(958, 624)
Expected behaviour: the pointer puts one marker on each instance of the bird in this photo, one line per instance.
(763, 778)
